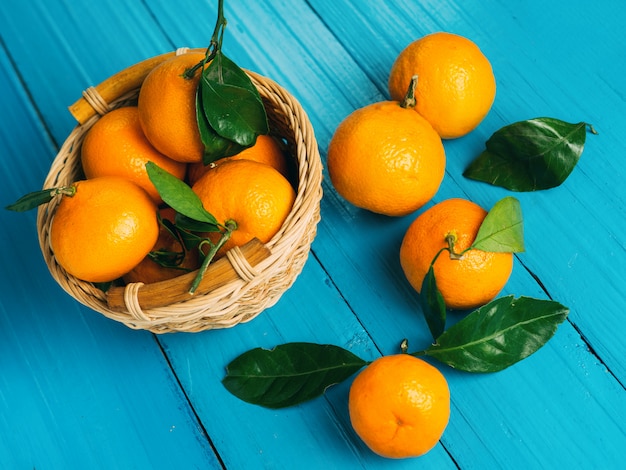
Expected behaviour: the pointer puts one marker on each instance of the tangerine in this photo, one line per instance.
(116, 146)
(104, 230)
(469, 282)
(399, 406)
(255, 195)
(386, 158)
(167, 108)
(456, 85)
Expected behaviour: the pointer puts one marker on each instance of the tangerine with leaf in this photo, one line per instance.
(252, 194)
(443, 236)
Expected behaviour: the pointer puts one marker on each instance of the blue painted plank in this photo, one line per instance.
(76, 390)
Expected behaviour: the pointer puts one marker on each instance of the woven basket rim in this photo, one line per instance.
(239, 300)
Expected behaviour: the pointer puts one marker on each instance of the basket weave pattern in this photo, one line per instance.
(258, 287)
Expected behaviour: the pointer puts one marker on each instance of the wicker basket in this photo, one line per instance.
(237, 287)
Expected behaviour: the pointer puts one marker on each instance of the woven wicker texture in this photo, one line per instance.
(256, 287)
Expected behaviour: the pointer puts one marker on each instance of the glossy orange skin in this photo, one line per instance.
(399, 406)
(116, 146)
(167, 108)
(255, 195)
(386, 159)
(456, 84)
(104, 230)
(467, 283)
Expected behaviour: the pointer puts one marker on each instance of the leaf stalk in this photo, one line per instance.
(229, 227)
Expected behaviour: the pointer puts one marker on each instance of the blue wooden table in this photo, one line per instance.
(78, 390)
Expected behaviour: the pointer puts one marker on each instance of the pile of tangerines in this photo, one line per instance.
(388, 157)
(114, 218)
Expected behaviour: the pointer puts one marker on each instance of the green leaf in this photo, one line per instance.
(530, 155)
(433, 305)
(190, 225)
(32, 200)
(215, 146)
(498, 334)
(178, 195)
(289, 374)
(503, 229)
(231, 103)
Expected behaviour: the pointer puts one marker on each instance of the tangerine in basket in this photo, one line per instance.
(104, 230)
(386, 158)
(116, 146)
(266, 150)
(149, 270)
(255, 195)
(399, 406)
(167, 108)
(456, 85)
(465, 283)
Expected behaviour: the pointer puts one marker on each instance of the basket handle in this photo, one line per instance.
(237, 264)
(119, 84)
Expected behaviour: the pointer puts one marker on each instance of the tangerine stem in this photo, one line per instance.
(65, 191)
(451, 240)
(409, 100)
(229, 226)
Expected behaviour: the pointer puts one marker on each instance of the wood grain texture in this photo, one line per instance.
(67, 385)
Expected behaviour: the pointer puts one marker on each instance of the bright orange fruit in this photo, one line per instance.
(167, 108)
(116, 146)
(465, 283)
(386, 158)
(456, 85)
(104, 230)
(399, 406)
(255, 195)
